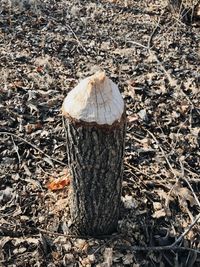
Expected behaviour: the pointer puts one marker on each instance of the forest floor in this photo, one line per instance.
(46, 47)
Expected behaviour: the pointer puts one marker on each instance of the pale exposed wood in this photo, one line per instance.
(95, 99)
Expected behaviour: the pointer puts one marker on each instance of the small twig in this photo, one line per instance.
(135, 138)
(186, 180)
(154, 31)
(60, 234)
(173, 246)
(76, 236)
(75, 36)
(190, 170)
(136, 43)
(164, 248)
(186, 231)
(136, 169)
(4, 231)
(105, 244)
(34, 146)
(16, 149)
(161, 149)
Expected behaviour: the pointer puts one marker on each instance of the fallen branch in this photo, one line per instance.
(188, 183)
(164, 248)
(77, 236)
(173, 246)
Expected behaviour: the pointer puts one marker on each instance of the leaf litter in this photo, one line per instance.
(45, 48)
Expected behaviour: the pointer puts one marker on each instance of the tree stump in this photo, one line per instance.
(95, 124)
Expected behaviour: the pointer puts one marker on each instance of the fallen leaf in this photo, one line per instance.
(159, 213)
(129, 202)
(16, 84)
(128, 259)
(133, 118)
(59, 183)
(184, 195)
(157, 206)
(33, 127)
(81, 245)
(39, 69)
(60, 205)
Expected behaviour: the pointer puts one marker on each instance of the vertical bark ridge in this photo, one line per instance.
(95, 157)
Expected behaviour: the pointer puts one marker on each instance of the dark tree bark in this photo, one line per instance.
(95, 156)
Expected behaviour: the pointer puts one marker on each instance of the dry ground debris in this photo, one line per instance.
(45, 48)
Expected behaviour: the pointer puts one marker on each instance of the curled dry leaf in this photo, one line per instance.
(81, 245)
(133, 118)
(88, 261)
(59, 183)
(128, 259)
(157, 206)
(60, 205)
(184, 195)
(129, 202)
(159, 213)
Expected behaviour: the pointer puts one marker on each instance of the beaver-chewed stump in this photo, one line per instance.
(95, 124)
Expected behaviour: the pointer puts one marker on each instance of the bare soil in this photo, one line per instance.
(45, 48)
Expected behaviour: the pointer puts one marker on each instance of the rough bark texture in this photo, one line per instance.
(95, 156)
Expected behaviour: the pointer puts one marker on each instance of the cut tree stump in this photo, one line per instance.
(95, 125)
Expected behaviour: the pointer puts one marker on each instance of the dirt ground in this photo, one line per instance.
(46, 47)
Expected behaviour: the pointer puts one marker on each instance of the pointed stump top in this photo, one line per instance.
(95, 99)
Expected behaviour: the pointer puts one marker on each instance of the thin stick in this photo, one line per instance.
(138, 44)
(136, 169)
(186, 180)
(154, 31)
(77, 236)
(34, 146)
(16, 149)
(164, 248)
(79, 42)
(60, 234)
(173, 246)
(161, 149)
(186, 231)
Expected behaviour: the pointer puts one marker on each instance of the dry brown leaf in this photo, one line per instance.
(60, 205)
(163, 195)
(81, 245)
(16, 84)
(132, 118)
(128, 259)
(184, 195)
(157, 206)
(59, 183)
(33, 127)
(159, 213)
